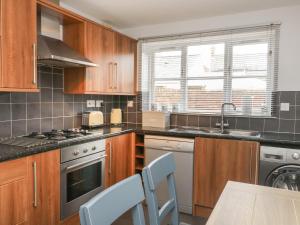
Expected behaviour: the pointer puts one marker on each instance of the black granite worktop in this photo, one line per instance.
(8, 152)
(268, 138)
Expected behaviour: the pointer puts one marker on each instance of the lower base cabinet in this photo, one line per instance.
(29, 190)
(120, 158)
(30, 186)
(13, 195)
(46, 203)
(217, 161)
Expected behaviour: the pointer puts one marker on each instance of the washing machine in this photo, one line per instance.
(280, 167)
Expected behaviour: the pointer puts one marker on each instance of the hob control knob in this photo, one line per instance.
(296, 156)
(85, 150)
(76, 153)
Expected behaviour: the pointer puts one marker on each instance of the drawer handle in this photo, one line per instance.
(273, 156)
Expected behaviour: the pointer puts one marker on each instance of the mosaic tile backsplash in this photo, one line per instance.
(23, 113)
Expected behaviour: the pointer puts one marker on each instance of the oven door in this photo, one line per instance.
(81, 179)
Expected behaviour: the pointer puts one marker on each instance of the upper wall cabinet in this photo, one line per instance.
(18, 46)
(116, 56)
(123, 79)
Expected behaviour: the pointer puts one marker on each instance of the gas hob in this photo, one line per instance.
(60, 135)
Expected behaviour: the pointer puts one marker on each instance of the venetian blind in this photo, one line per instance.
(199, 72)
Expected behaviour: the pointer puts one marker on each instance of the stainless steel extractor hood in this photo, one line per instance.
(51, 50)
(54, 52)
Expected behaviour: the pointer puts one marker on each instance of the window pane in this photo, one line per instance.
(250, 60)
(249, 95)
(167, 95)
(200, 72)
(167, 64)
(205, 95)
(205, 60)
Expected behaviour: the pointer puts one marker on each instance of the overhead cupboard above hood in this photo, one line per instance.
(55, 52)
(51, 50)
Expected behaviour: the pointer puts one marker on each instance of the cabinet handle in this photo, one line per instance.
(110, 156)
(34, 81)
(251, 159)
(1, 7)
(35, 204)
(110, 75)
(116, 75)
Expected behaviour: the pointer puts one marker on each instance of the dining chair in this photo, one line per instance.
(109, 205)
(158, 170)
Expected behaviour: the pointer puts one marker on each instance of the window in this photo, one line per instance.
(197, 73)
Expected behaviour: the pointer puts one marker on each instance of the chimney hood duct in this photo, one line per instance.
(54, 52)
(51, 50)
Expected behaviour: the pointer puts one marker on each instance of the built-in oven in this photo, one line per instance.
(82, 175)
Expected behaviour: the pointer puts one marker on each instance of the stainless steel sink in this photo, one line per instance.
(242, 133)
(233, 132)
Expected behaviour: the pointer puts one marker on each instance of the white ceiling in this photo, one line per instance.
(133, 13)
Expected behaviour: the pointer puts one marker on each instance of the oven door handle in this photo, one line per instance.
(84, 163)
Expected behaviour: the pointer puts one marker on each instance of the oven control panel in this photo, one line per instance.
(81, 150)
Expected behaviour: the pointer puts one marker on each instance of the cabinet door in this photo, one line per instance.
(94, 51)
(13, 192)
(216, 161)
(18, 27)
(124, 67)
(44, 171)
(119, 164)
(108, 40)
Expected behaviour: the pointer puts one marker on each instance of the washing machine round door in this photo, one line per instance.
(285, 177)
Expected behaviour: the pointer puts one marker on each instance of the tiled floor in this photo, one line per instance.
(126, 219)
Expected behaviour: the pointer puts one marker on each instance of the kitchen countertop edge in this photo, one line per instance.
(8, 152)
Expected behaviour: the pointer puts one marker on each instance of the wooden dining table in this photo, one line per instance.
(248, 204)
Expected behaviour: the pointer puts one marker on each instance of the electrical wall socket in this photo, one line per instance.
(99, 103)
(90, 103)
(129, 104)
(285, 107)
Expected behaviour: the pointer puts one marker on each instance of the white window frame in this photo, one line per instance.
(227, 78)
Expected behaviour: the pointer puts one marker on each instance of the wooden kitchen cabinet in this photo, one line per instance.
(18, 193)
(120, 158)
(124, 67)
(116, 56)
(13, 192)
(217, 161)
(18, 46)
(90, 80)
(47, 199)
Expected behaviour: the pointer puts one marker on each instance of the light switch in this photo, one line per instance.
(285, 106)
(129, 104)
(99, 103)
(90, 103)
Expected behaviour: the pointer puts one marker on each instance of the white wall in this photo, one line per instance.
(79, 12)
(289, 58)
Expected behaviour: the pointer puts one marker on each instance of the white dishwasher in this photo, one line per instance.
(183, 149)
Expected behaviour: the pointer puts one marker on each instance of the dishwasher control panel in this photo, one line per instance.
(169, 143)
